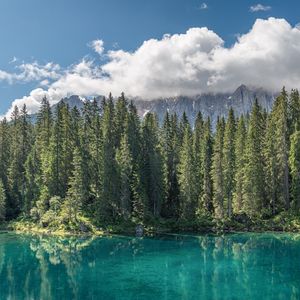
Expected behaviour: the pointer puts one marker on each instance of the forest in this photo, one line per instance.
(105, 165)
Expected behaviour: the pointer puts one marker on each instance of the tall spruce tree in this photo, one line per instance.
(110, 202)
(139, 197)
(197, 140)
(75, 194)
(152, 170)
(239, 176)
(254, 183)
(217, 170)
(205, 205)
(279, 115)
(169, 141)
(229, 162)
(125, 168)
(294, 161)
(187, 176)
(2, 203)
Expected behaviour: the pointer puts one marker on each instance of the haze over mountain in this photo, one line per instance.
(210, 105)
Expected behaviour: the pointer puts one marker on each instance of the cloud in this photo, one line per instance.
(259, 7)
(31, 72)
(203, 6)
(194, 62)
(97, 46)
(13, 60)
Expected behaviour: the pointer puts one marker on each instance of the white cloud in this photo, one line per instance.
(181, 64)
(13, 60)
(5, 76)
(259, 7)
(97, 46)
(203, 6)
(31, 72)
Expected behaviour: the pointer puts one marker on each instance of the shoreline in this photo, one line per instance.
(147, 233)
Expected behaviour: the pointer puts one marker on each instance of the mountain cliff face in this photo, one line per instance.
(210, 105)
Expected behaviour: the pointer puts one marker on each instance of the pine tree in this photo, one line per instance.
(187, 177)
(152, 169)
(75, 193)
(92, 151)
(197, 140)
(52, 170)
(139, 197)
(254, 183)
(32, 179)
(240, 145)
(279, 115)
(205, 205)
(5, 140)
(120, 118)
(294, 111)
(110, 203)
(270, 166)
(2, 203)
(294, 162)
(169, 141)
(217, 170)
(229, 162)
(15, 169)
(125, 166)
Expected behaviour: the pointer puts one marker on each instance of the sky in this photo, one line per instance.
(147, 49)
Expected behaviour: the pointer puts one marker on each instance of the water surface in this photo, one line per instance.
(239, 266)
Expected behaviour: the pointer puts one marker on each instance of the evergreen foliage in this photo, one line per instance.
(107, 165)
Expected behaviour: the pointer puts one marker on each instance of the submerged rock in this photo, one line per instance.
(139, 230)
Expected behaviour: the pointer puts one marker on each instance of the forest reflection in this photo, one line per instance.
(213, 267)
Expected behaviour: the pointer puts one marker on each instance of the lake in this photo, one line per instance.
(236, 266)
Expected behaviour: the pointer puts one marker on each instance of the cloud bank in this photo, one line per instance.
(191, 63)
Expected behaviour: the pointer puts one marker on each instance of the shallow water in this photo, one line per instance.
(239, 266)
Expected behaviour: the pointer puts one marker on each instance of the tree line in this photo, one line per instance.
(107, 164)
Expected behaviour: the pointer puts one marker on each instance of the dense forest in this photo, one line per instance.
(106, 165)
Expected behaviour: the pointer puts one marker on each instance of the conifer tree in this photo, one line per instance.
(205, 205)
(240, 144)
(294, 161)
(152, 170)
(53, 169)
(125, 167)
(294, 111)
(187, 177)
(2, 203)
(75, 193)
(109, 206)
(197, 140)
(32, 177)
(5, 141)
(139, 197)
(15, 169)
(270, 166)
(254, 183)
(229, 162)
(217, 170)
(280, 119)
(169, 141)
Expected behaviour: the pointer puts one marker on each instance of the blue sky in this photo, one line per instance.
(59, 31)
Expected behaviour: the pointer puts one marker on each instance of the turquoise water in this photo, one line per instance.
(240, 266)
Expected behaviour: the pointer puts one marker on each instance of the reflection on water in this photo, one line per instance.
(241, 266)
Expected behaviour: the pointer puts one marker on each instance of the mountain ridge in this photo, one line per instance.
(210, 105)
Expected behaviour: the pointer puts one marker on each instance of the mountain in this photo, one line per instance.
(211, 105)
